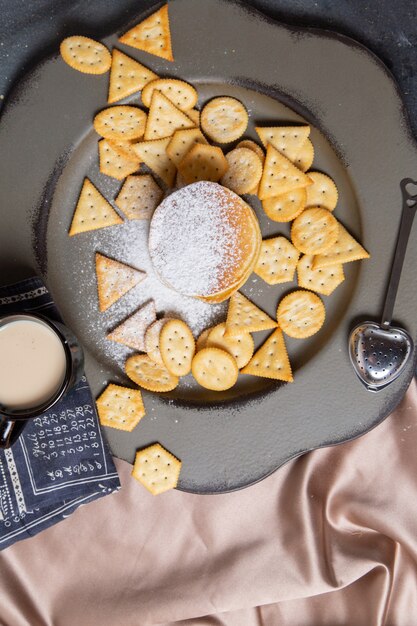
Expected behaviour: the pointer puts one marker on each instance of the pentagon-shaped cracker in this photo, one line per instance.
(139, 197)
(344, 250)
(224, 119)
(286, 207)
(182, 141)
(152, 336)
(127, 76)
(150, 375)
(301, 314)
(277, 261)
(280, 175)
(132, 331)
(114, 279)
(203, 162)
(182, 94)
(85, 55)
(244, 171)
(322, 193)
(157, 469)
(271, 360)
(314, 231)
(120, 122)
(153, 154)
(92, 211)
(305, 157)
(288, 140)
(323, 280)
(120, 407)
(241, 347)
(177, 347)
(152, 35)
(245, 317)
(215, 369)
(164, 118)
(113, 162)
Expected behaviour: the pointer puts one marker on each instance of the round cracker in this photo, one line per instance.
(149, 375)
(252, 145)
(287, 206)
(244, 171)
(301, 314)
(224, 119)
(177, 347)
(215, 369)
(152, 340)
(241, 347)
(314, 231)
(85, 55)
(182, 94)
(121, 122)
(323, 192)
(305, 157)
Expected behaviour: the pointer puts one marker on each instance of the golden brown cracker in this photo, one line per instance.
(244, 171)
(182, 141)
(286, 207)
(127, 76)
(301, 314)
(113, 162)
(156, 469)
(271, 360)
(314, 231)
(85, 55)
(322, 193)
(224, 119)
(305, 157)
(152, 336)
(150, 375)
(215, 369)
(245, 317)
(277, 261)
(114, 280)
(120, 407)
(252, 145)
(280, 175)
(203, 162)
(164, 118)
(322, 280)
(344, 250)
(288, 140)
(139, 197)
(152, 35)
(180, 93)
(241, 347)
(131, 332)
(120, 123)
(92, 211)
(177, 347)
(153, 154)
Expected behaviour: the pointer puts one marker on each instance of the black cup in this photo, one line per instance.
(13, 421)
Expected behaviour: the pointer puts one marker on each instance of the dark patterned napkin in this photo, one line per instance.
(61, 460)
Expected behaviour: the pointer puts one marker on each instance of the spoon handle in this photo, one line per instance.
(407, 217)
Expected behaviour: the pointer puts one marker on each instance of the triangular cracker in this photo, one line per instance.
(114, 162)
(132, 331)
(344, 250)
(139, 197)
(92, 211)
(114, 279)
(164, 118)
(153, 154)
(127, 76)
(280, 175)
(271, 360)
(244, 317)
(288, 140)
(152, 35)
(182, 141)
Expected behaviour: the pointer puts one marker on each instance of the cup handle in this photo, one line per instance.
(9, 431)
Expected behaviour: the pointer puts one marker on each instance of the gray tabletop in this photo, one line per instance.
(31, 29)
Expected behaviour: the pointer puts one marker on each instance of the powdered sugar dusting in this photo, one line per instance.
(132, 331)
(194, 242)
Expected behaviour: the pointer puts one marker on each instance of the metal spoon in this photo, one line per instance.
(380, 352)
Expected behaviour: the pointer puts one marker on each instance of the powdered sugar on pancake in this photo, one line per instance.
(197, 239)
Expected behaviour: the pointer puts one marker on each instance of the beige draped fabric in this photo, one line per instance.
(330, 539)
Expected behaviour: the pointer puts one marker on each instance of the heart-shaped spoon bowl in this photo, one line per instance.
(379, 354)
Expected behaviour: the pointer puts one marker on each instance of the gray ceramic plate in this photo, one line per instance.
(362, 140)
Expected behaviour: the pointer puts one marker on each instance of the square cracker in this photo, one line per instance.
(152, 35)
(203, 162)
(139, 197)
(157, 469)
(277, 261)
(120, 407)
(323, 280)
(288, 140)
